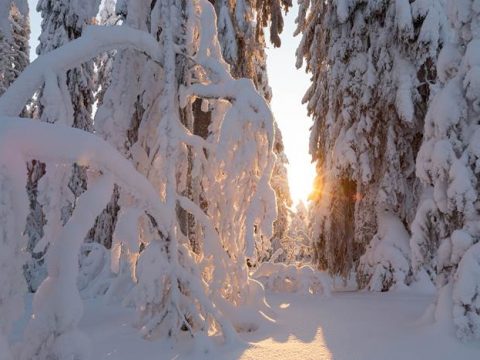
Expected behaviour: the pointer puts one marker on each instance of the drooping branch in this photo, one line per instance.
(18, 133)
(95, 40)
(57, 301)
(212, 244)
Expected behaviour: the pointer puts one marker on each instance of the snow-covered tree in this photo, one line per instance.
(240, 156)
(13, 211)
(447, 235)
(279, 183)
(299, 232)
(123, 120)
(373, 71)
(241, 27)
(102, 232)
(4, 62)
(20, 21)
(62, 21)
(238, 29)
(108, 17)
(171, 291)
(14, 37)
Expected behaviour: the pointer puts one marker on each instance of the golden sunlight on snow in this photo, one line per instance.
(291, 349)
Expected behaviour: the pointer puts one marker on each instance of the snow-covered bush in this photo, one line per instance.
(386, 262)
(304, 279)
(428, 229)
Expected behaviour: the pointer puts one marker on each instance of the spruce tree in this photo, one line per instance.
(373, 72)
(14, 38)
(241, 32)
(242, 42)
(446, 237)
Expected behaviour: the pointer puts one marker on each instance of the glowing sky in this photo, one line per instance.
(288, 85)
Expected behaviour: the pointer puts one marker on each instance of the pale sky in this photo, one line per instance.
(288, 85)
(34, 27)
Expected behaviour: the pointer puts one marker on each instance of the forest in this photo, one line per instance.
(146, 209)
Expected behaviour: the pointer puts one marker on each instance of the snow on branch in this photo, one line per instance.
(42, 140)
(57, 303)
(95, 40)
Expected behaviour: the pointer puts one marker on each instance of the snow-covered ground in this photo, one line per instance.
(345, 326)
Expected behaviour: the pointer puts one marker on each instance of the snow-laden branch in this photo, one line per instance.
(212, 240)
(240, 92)
(57, 302)
(258, 208)
(95, 40)
(41, 141)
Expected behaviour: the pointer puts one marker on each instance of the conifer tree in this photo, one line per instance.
(279, 183)
(242, 42)
(241, 27)
(373, 72)
(445, 239)
(62, 21)
(175, 290)
(14, 38)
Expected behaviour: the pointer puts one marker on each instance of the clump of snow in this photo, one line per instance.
(404, 20)
(94, 276)
(448, 62)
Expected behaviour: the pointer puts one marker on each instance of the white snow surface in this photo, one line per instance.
(345, 326)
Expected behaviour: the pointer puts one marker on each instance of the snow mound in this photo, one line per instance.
(293, 279)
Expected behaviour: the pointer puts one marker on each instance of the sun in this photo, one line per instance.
(301, 176)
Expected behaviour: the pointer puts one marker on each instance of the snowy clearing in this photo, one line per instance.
(345, 326)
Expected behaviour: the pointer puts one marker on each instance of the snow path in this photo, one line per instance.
(346, 326)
